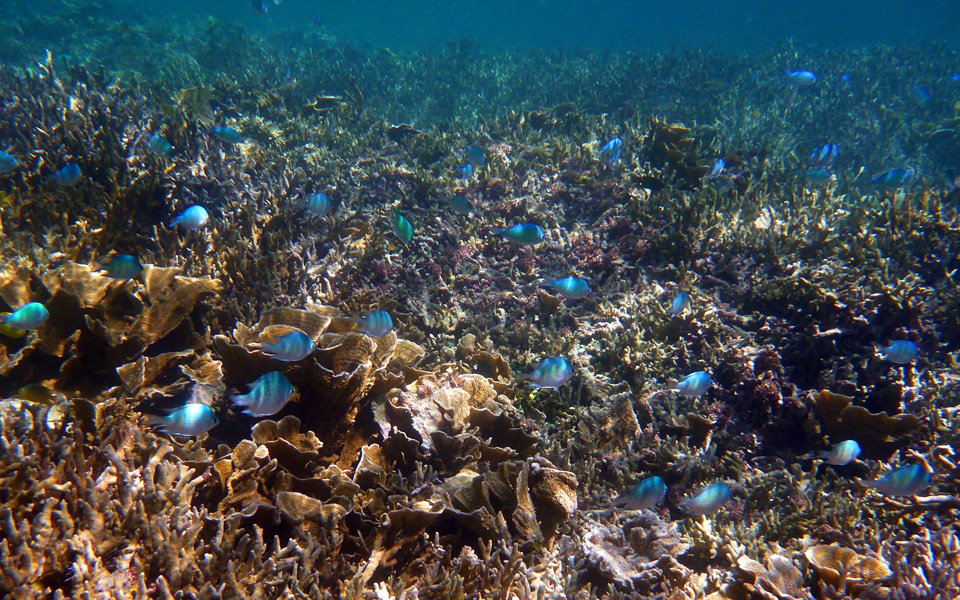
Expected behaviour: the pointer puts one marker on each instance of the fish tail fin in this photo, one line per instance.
(618, 502)
(497, 230)
(264, 347)
(822, 454)
(239, 399)
(155, 421)
(523, 377)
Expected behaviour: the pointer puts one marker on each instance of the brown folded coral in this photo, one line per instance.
(98, 324)
(335, 381)
(776, 579)
(874, 431)
(847, 571)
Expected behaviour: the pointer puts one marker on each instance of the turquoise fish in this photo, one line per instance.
(819, 175)
(905, 481)
(801, 78)
(402, 228)
(645, 495)
(709, 500)
(187, 420)
(27, 317)
(8, 162)
(291, 347)
(611, 151)
(460, 204)
(268, 395)
(551, 373)
(843, 453)
(192, 219)
(693, 384)
(318, 204)
(122, 266)
(526, 234)
(680, 304)
(68, 175)
(160, 146)
(572, 288)
(376, 324)
(901, 352)
(894, 178)
(227, 135)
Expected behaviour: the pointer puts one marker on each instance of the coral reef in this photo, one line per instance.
(416, 464)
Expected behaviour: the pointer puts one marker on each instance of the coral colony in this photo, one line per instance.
(584, 371)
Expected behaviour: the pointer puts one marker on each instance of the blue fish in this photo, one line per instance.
(901, 352)
(526, 234)
(460, 204)
(818, 175)
(192, 219)
(550, 373)
(466, 172)
(572, 288)
(645, 495)
(905, 481)
(188, 420)
(402, 228)
(955, 80)
(160, 146)
(716, 170)
(291, 347)
(801, 78)
(8, 162)
(376, 324)
(227, 135)
(920, 95)
(824, 155)
(709, 500)
(693, 384)
(894, 178)
(123, 266)
(843, 453)
(475, 156)
(27, 317)
(318, 204)
(680, 304)
(268, 395)
(612, 151)
(68, 175)
(260, 6)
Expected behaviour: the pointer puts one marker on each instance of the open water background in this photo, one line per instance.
(732, 26)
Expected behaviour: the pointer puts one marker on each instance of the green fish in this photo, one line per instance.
(402, 227)
(460, 204)
(37, 393)
(8, 330)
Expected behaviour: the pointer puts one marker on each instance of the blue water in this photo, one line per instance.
(744, 25)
